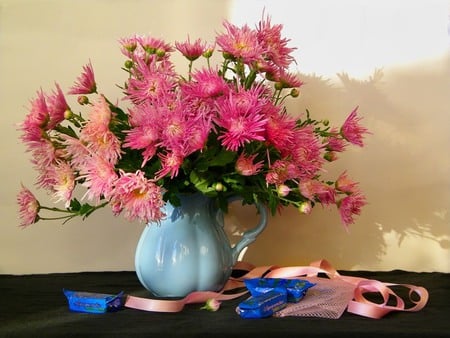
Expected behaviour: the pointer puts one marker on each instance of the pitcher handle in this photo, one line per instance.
(249, 236)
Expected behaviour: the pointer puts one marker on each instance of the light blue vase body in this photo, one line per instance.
(189, 251)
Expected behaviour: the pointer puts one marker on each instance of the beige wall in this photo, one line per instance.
(404, 169)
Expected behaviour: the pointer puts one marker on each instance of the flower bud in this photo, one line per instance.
(83, 100)
(212, 304)
(305, 207)
(278, 85)
(283, 190)
(208, 53)
(219, 186)
(68, 114)
(295, 92)
(330, 156)
(160, 52)
(128, 64)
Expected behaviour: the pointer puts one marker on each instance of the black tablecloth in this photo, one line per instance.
(35, 306)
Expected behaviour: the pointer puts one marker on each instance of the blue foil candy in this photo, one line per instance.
(295, 289)
(93, 302)
(262, 306)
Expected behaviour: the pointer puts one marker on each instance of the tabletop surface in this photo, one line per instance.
(35, 306)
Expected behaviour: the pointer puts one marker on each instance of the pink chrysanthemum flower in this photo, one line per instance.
(96, 134)
(85, 83)
(98, 176)
(325, 194)
(316, 190)
(335, 143)
(349, 206)
(345, 184)
(64, 182)
(143, 137)
(129, 45)
(191, 51)
(170, 164)
(274, 46)
(240, 42)
(280, 131)
(36, 120)
(138, 198)
(280, 172)
(352, 131)
(155, 46)
(205, 83)
(44, 153)
(245, 165)
(288, 80)
(306, 152)
(75, 151)
(239, 125)
(150, 82)
(57, 107)
(28, 207)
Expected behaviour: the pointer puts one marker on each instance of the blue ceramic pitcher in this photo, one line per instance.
(190, 251)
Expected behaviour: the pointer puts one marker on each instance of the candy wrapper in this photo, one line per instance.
(295, 289)
(93, 302)
(262, 306)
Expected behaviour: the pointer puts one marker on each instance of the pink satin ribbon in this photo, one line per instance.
(359, 305)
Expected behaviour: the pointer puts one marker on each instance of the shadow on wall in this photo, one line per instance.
(403, 170)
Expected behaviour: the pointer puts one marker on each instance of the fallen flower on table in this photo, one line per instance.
(211, 304)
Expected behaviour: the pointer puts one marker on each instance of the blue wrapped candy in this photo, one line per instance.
(262, 306)
(295, 289)
(93, 302)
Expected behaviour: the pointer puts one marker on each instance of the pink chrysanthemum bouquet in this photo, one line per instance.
(220, 130)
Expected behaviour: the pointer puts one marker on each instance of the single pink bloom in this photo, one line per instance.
(335, 142)
(275, 49)
(281, 171)
(240, 42)
(154, 45)
(44, 153)
(98, 176)
(345, 184)
(36, 120)
(240, 125)
(75, 151)
(288, 80)
(129, 45)
(306, 152)
(349, 206)
(151, 81)
(280, 131)
(170, 164)
(245, 165)
(138, 198)
(192, 51)
(325, 194)
(352, 131)
(143, 137)
(205, 83)
(96, 134)
(85, 83)
(316, 190)
(64, 182)
(57, 107)
(28, 207)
